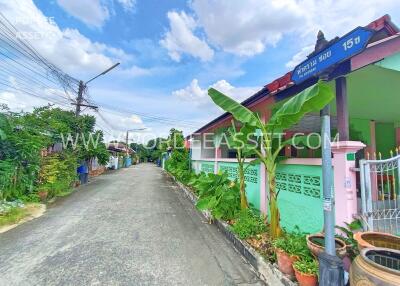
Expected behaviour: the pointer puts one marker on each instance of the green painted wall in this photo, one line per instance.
(300, 197)
(385, 138)
(360, 130)
(251, 177)
(207, 166)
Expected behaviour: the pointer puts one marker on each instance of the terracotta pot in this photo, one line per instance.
(317, 248)
(376, 266)
(285, 262)
(43, 195)
(306, 279)
(371, 239)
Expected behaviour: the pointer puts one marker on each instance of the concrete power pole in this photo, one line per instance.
(79, 99)
(82, 86)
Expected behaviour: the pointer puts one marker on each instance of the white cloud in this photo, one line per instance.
(300, 56)
(198, 96)
(68, 48)
(19, 101)
(180, 38)
(128, 5)
(336, 18)
(247, 27)
(136, 71)
(91, 12)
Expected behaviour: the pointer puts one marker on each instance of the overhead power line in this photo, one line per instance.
(25, 71)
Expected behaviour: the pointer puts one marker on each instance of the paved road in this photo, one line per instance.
(127, 227)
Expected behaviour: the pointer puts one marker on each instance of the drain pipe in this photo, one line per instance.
(330, 266)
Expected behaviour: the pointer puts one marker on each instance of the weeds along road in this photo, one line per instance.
(127, 227)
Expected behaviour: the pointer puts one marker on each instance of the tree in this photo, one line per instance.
(24, 135)
(312, 99)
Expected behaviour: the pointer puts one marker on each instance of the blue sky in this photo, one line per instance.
(172, 51)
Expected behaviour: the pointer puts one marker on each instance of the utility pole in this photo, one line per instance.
(81, 89)
(79, 99)
(126, 142)
(330, 266)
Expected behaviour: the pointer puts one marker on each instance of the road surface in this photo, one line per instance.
(126, 227)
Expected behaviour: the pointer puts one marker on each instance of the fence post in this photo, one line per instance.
(345, 179)
(363, 197)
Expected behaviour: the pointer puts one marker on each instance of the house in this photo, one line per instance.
(120, 155)
(363, 67)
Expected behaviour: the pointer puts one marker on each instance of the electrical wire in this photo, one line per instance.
(33, 73)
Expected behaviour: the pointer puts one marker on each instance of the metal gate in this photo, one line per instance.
(380, 195)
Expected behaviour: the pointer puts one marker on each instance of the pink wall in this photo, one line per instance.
(345, 180)
(376, 51)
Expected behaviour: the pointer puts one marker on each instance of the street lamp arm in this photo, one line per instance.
(103, 73)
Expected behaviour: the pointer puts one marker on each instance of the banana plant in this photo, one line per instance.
(312, 99)
(237, 140)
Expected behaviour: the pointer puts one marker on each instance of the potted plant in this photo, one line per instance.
(288, 250)
(316, 244)
(306, 271)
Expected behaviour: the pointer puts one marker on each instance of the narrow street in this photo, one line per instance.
(127, 227)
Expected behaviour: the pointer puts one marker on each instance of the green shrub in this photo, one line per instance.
(58, 172)
(219, 195)
(248, 224)
(307, 266)
(293, 244)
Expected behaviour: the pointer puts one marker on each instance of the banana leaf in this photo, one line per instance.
(312, 99)
(238, 111)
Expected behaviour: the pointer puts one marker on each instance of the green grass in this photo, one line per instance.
(13, 216)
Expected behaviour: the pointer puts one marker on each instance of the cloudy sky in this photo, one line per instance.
(172, 51)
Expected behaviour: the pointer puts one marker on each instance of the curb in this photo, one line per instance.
(266, 271)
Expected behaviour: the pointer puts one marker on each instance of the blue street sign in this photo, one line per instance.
(346, 47)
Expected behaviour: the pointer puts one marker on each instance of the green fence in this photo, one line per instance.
(299, 186)
(251, 178)
(207, 167)
(300, 197)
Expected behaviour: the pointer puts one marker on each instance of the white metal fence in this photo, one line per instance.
(380, 195)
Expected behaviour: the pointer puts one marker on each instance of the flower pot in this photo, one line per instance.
(306, 279)
(376, 239)
(376, 266)
(285, 262)
(43, 195)
(315, 243)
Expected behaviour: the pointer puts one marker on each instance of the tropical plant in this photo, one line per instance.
(219, 195)
(248, 224)
(347, 235)
(237, 139)
(307, 266)
(312, 99)
(294, 244)
(178, 164)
